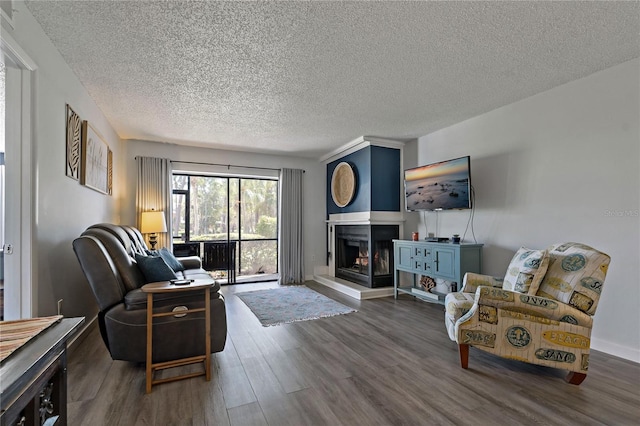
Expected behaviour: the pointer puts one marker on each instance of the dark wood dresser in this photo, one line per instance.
(33, 380)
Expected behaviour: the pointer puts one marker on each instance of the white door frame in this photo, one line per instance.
(19, 290)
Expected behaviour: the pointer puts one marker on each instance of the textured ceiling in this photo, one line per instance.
(303, 78)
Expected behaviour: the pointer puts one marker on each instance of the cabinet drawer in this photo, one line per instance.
(420, 265)
(419, 251)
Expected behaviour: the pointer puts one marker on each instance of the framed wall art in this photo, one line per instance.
(74, 135)
(95, 160)
(110, 172)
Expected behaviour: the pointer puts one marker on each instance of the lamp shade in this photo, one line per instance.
(152, 222)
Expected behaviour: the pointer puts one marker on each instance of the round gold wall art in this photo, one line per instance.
(343, 184)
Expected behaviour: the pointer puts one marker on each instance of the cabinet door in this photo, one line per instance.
(404, 257)
(444, 262)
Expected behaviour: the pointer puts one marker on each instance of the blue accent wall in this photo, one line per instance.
(385, 179)
(377, 171)
(361, 165)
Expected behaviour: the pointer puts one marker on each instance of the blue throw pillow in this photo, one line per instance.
(171, 260)
(155, 269)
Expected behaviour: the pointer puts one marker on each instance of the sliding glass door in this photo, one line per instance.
(241, 212)
(257, 212)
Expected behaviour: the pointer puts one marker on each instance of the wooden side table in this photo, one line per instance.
(167, 287)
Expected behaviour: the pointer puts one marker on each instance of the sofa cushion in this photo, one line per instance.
(168, 257)
(171, 260)
(526, 271)
(575, 276)
(154, 268)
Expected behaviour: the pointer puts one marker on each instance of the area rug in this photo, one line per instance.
(288, 304)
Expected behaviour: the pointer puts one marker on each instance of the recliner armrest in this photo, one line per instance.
(137, 299)
(190, 262)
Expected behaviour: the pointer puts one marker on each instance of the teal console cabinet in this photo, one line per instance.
(447, 261)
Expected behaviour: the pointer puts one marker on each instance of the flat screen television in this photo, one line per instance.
(439, 186)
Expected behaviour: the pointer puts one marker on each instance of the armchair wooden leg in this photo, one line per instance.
(464, 355)
(575, 378)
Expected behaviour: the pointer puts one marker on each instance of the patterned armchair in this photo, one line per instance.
(541, 313)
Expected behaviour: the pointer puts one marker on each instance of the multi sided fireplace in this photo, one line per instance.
(364, 254)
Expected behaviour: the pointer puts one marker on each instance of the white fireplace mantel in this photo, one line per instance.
(367, 218)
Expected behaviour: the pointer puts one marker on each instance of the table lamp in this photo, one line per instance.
(151, 223)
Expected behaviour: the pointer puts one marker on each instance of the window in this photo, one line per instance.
(241, 211)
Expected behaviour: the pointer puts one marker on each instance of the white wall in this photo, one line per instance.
(314, 184)
(559, 166)
(62, 207)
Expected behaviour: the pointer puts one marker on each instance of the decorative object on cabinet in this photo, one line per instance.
(440, 261)
(427, 283)
(73, 140)
(95, 154)
(551, 328)
(343, 184)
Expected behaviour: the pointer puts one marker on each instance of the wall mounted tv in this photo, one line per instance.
(439, 186)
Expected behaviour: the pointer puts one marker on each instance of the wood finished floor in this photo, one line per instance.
(390, 363)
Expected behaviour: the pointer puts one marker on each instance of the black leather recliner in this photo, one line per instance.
(107, 256)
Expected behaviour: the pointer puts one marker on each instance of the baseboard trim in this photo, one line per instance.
(625, 352)
(79, 337)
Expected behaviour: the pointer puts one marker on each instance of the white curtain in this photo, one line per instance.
(290, 235)
(154, 193)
